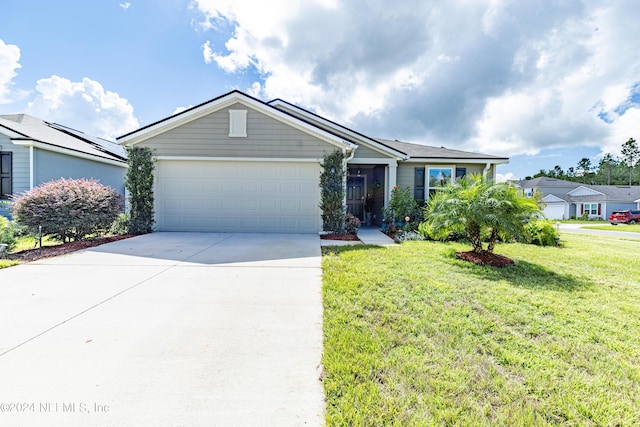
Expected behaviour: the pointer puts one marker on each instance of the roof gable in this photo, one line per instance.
(584, 191)
(224, 101)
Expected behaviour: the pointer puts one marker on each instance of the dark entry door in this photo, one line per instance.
(355, 196)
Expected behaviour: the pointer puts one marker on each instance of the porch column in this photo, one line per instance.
(392, 174)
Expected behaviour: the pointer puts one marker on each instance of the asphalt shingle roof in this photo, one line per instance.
(34, 129)
(420, 151)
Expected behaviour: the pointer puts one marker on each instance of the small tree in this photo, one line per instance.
(332, 195)
(68, 209)
(584, 166)
(630, 154)
(139, 183)
(401, 205)
(480, 207)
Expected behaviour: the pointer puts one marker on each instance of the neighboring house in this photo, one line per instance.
(546, 185)
(33, 151)
(566, 199)
(236, 163)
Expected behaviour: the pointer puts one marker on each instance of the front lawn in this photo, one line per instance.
(414, 336)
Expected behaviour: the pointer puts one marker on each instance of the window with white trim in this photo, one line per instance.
(438, 178)
(591, 208)
(237, 123)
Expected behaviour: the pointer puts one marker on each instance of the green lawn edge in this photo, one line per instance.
(414, 336)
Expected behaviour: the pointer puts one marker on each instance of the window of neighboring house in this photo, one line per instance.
(5, 174)
(237, 123)
(591, 208)
(418, 185)
(461, 172)
(439, 178)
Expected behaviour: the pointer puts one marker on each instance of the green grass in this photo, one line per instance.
(4, 263)
(24, 243)
(635, 228)
(414, 336)
(580, 221)
(30, 242)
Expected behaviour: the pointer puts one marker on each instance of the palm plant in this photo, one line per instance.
(479, 206)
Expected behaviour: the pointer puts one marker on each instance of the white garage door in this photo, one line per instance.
(237, 196)
(554, 211)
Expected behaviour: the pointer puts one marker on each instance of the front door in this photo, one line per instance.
(355, 196)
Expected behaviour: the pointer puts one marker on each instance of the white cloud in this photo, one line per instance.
(509, 176)
(180, 110)
(125, 5)
(500, 76)
(9, 57)
(84, 105)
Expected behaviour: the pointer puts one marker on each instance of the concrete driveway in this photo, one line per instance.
(165, 329)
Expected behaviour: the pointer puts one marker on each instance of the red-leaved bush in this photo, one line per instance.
(68, 209)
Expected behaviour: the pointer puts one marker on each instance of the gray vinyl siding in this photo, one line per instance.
(364, 152)
(406, 175)
(20, 166)
(476, 169)
(50, 166)
(19, 170)
(208, 136)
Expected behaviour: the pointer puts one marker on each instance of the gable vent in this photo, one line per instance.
(237, 123)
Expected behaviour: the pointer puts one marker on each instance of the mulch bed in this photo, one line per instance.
(347, 237)
(63, 248)
(485, 258)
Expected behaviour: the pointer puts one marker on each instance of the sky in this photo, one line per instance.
(544, 82)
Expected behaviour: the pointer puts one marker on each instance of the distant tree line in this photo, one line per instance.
(611, 170)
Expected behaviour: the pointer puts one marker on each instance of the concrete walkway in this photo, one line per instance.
(165, 329)
(373, 236)
(367, 236)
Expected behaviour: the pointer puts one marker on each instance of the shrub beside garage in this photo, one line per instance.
(68, 209)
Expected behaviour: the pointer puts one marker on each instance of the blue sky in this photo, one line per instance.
(545, 83)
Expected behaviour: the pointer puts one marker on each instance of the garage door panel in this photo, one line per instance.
(237, 196)
(554, 211)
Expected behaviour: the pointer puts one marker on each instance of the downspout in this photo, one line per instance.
(486, 170)
(31, 168)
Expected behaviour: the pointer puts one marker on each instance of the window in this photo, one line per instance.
(5, 174)
(418, 185)
(591, 208)
(461, 172)
(438, 178)
(237, 123)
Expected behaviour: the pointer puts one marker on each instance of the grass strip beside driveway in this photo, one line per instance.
(414, 336)
(634, 228)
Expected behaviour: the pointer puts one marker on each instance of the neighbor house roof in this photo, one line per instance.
(545, 181)
(550, 198)
(27, 130)
(612, 193)
(607, 193)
